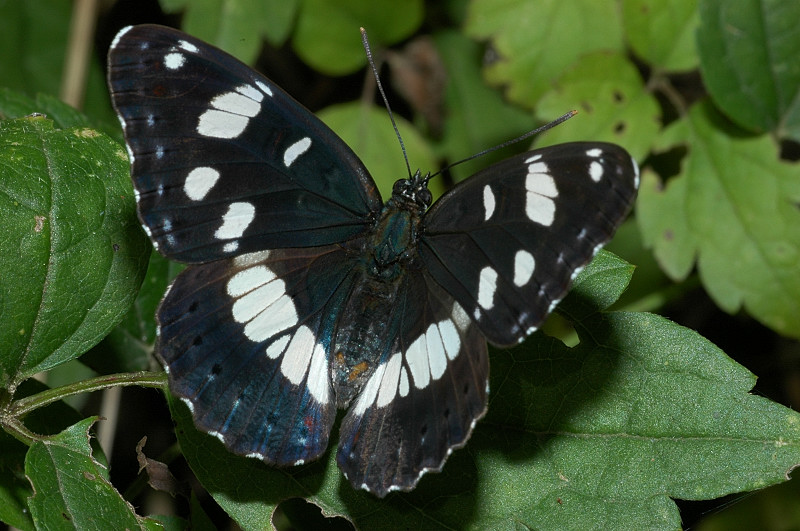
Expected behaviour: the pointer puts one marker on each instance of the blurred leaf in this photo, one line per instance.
(662, 33)
(71, 252)
(477, 116)
(33, 40)
(748, 56)
(612, 102)
(775, 508)
(733, 209)
(537, 41)
(71, 489)
(14, 104)
(327, 36)
(369, 133)
(236, 26)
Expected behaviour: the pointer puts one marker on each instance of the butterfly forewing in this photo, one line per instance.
(507, 242)
(225, 162)
(307, 293)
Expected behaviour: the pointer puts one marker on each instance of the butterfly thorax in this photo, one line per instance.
(364, 335)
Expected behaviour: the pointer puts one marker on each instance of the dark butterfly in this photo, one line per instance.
(306, 293)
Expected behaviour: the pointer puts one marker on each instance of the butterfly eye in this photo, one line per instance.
(424, 198)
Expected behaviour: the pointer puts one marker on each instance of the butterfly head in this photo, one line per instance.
(413, 193)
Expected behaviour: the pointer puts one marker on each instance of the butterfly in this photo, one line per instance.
(307, 293)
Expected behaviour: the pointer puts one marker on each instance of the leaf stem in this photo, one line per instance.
(23, 406)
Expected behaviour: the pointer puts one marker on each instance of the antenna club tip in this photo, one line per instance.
(573, 112)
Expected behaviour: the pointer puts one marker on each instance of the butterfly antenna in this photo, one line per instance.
(371, 62)
(545, 127)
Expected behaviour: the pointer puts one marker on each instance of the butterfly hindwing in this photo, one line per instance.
(424, 398)
(507, 242)
(224, 161)
(245, 344)
(306, 293)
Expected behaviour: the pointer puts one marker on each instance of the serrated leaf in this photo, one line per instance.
(71, 489)
(369, 133)
(612, 102)
(733, 209)
(327, 36)
(236, 26)
(662, 33)
(537, 41)
(71, 251)
(748, 57)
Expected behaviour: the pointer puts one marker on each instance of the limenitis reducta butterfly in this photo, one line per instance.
(306, 293)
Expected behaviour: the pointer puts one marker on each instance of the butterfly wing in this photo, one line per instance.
(424, 397)
(245, 342)
(507, 242)
(223, 161)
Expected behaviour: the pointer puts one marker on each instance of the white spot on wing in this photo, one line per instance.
(277, 347)
(524, 265)
(295, 150)
(264, 88)
(541, 190)
(488, 202)
(119, 35)
(450, 338)
(231, 113)
(174, 60)
(487, 285)
(250, 259)
(220, 124)
(297, 358)
(199, 182)
(403, 388)
(594, 153)
(389, 382)
(188, 46)
(235, 221)
(318, 383)
(370, 391)
(437, 359)
(595, 171)
(417, 360)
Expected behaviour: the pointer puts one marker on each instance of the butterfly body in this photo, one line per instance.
(305, 292)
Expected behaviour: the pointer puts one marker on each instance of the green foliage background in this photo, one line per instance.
(606, 433)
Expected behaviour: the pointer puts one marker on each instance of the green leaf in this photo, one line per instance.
(327, 35)
(369, 133)
(733, 209)
(236, 26)
(33, 40)
(71, 489)
(662, 32)
(748, 57)
(613, 104)
(71, 249)
(129, 347)
(477, 115)
(537, 41)
(16, 105)
(598, 436)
